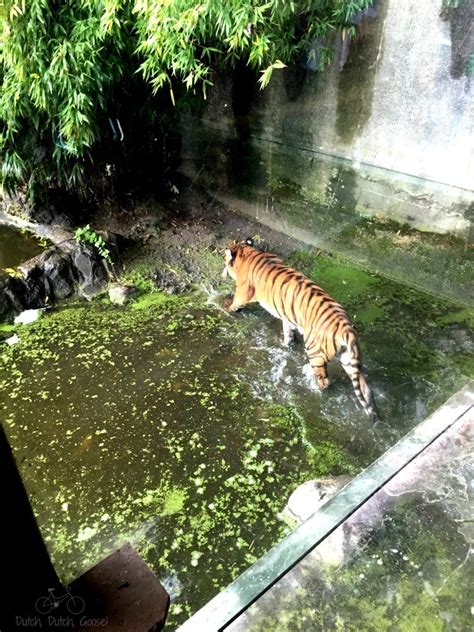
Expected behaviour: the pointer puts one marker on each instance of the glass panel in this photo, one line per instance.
(341, 510)
(401, 562)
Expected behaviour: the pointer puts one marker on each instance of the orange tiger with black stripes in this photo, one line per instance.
(302, 306)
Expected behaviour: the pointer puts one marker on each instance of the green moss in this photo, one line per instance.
(371, 616)
(329, 458)
(7, 328)
(143, 392)
(465, 363)
(285, 417)
(368, 315)
(342, 281)
(458, 316)
(165, 500)
(152, 299)
(175, 500)
(139, 275)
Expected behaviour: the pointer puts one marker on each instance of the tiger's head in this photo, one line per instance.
(232, 256)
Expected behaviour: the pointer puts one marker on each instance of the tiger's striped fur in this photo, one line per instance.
(302, 306)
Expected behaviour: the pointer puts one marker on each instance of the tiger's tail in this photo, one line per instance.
(362, 390)
(364, 395)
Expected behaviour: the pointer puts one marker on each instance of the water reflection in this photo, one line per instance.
(16, 246)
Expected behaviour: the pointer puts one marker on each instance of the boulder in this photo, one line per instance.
(14, 294)
(121, 294)
(5, 302)
(310, 496)
(59, 275)
(91, 272)
(36, 293)
(168, 281)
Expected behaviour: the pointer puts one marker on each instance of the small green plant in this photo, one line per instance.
(87, 235)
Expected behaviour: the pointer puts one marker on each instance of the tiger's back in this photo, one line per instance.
(301, 305)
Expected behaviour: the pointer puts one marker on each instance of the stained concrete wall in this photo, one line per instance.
(396, 103)
(389, 134)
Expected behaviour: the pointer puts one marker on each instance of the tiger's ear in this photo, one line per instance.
(249, 241)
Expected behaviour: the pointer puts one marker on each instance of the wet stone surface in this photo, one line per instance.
(184, 430)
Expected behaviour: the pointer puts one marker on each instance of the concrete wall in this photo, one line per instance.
(395, 104)
(389, 135)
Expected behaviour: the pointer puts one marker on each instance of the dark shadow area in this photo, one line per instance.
(358, 58)
(461, 26)
(245, 94)
(243, 159)
(294, 78)
(141, 147)
(27, 572)
(63, 208)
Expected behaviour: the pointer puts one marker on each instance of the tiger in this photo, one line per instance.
(302, 306)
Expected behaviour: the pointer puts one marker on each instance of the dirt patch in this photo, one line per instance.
(180, 243)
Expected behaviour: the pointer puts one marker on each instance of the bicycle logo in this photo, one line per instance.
(75, 605)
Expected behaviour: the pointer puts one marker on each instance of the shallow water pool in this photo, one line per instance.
(183, 429)
(17, 246)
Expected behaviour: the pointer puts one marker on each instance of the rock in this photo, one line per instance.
(310, 496)
(169, 281)
(14, 295)
(5, 302)
(58, 275)
(27, 317)
(92, 275)
(12, 340)
(121, 294)
(35, 290)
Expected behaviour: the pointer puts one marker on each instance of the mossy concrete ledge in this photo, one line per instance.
(221, 611)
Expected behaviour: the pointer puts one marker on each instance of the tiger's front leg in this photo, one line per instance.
(244, 294)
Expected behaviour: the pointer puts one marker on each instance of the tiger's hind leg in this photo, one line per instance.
(289, 331)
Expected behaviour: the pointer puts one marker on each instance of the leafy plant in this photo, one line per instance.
(87, 235)
(69, 68)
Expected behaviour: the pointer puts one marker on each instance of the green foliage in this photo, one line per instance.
(64, 63)
(140, 277)
(58, 64)
(87, 235)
